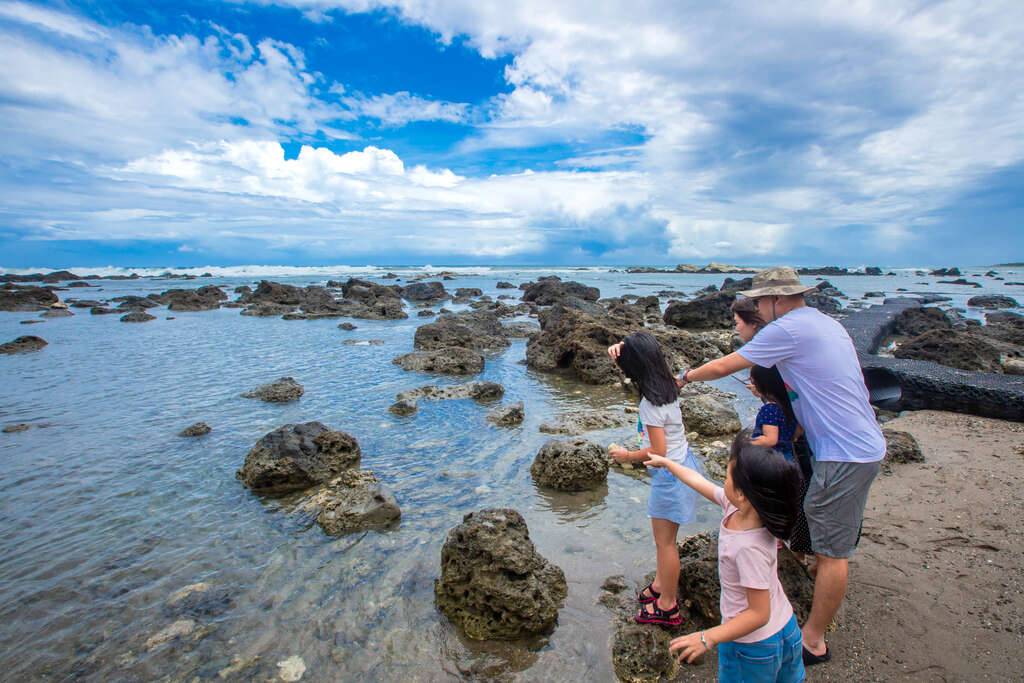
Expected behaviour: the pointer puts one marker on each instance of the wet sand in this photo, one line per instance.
(937, 585)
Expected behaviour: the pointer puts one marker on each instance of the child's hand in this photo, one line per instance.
(618, 452)
(615, 349)
(754, 390)
(655, 460)
(690, 647)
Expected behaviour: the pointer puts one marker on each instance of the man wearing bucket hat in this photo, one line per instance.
(817, 360)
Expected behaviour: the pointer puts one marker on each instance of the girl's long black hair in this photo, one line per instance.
(642, 362)
(770, 482)
(769, 384)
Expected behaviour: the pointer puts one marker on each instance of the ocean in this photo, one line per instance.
(106, 512)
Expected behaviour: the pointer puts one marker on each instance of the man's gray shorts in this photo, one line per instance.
(834, 505)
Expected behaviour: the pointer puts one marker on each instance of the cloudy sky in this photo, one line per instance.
(312, 132)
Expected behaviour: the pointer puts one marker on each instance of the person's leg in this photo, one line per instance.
(829, 590)
(666, 579)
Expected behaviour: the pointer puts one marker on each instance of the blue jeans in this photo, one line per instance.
(776, 659)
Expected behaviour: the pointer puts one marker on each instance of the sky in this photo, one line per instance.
(325, 132)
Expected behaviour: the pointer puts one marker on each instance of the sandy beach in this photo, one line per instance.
(936, 585)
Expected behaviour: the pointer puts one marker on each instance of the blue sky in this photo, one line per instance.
(313, 132)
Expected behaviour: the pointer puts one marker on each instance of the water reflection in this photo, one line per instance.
(575, 506)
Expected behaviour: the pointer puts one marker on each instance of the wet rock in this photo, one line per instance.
(14, 429)
(504, 285)
(298, 456)
(821, 301)
(577, 342)
(508, 415)
(31, 322)
(346, 326)
(482, 332)
(199, 601)
(466, 292)
(26, 298)
(291, 669)
(640, 653)
(901, 448)
(136, 303)
(872, 270)
(403, 408)
(198, 429)
(952, 348)
(450, 361)
(101, 310)
(426, 314)
(354, 501)
(425, 291)
(478, 391)
(708, 416)
(579, 422)
(959, 281)
(710, 311)
(368, 293)
(57, 313)
(205, 298)
(282, 390)
(84, 303)
(547, 291)
(23, 344)
(137, 317)
(574, 465)
(178, 629)
(914, 321)
(946, 272)
(993, 301)
(243, 289)
(494, 584)
(874, 295)
(268, 310)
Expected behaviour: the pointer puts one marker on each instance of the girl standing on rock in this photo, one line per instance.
(661, 433)
(758, 639)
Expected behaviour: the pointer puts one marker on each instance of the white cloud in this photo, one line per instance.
(398, 109)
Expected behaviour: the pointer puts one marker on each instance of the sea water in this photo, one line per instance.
(106, 512)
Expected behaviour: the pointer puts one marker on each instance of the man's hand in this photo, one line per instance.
(689, 646)
(615, 349)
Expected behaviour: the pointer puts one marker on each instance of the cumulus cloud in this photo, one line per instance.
(398, 109)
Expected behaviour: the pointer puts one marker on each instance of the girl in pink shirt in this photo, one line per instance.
(758, 639)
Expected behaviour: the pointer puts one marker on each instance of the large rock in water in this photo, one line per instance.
(993, 301)
(26, 298)
(493, 582)
(354, 501)
(710, 311)
(450, 361)
(952, 348)
(573, 340)
(547, 291)
(282, 390)
(914, 321)
(425, 291)
(708, 416)
(573, 465)
(295, 457)
(203, 299)
(23, 344)
(483, 331)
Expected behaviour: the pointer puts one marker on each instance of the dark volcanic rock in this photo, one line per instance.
(573, 340)
(79, 283)
(574, 465)
(205, 298)
(299, 456)
(14, 429)
(425, 291)
(403, 407)
(136, 303)
(508, 415)
(354, 501)
(951, 348)
(548, 291)
(26, 298)
(198, 429)
(478, 391)
(914, 321)
(368, 293)
(101, 310)
(283, 390)
(137, 317)
(268, 310)
(481, 331)
(494, 584)
(959, 281)
(573, 424)
(465, 292)
(710, 311)
(505, 285)
(993, 301)
(57, 313)
(23, 345)
(708, 416)
(346, 326)
(640, 653)
(946, 272)
(450, 361)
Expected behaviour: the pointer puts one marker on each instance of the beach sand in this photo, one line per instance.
(936, 587)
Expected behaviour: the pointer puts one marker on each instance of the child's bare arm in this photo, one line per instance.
(769, 436)
(692, 478)
(657, 447)
(756, 615)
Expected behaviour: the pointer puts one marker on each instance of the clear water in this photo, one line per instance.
(106, 512)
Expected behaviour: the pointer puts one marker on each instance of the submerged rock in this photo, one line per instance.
(198, 429)
(57, 313)
(574, 465)
(283, 390)
(494, 584)
(478, 391)
(508, 415)
(299, 456)
(14, 429)
(403, 408)
(355, 501)
(450, 361)
(137, 317)
(23, 344)
(708, 416)
(577, 423)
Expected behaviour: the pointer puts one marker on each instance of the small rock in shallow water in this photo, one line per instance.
(11, 429)
(23, 345)
(280, 391)
(346, 326)
(137, 317)
(640, 653)
(507, 416)
(182, 627)
(403, 408)
(198, 429)
(291, 669)
(573, 465)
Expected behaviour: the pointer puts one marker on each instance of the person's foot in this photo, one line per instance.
(648, 594)
(818, 651)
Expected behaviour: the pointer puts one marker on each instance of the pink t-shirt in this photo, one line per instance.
(749, 559)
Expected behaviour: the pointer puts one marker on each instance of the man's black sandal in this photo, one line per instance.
(810, 659)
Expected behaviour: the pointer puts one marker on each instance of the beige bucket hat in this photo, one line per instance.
(778, 281)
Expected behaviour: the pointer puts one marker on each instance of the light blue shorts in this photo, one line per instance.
(670, 498)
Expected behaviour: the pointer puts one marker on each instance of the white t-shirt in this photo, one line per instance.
(816, 358)
(669, 418)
